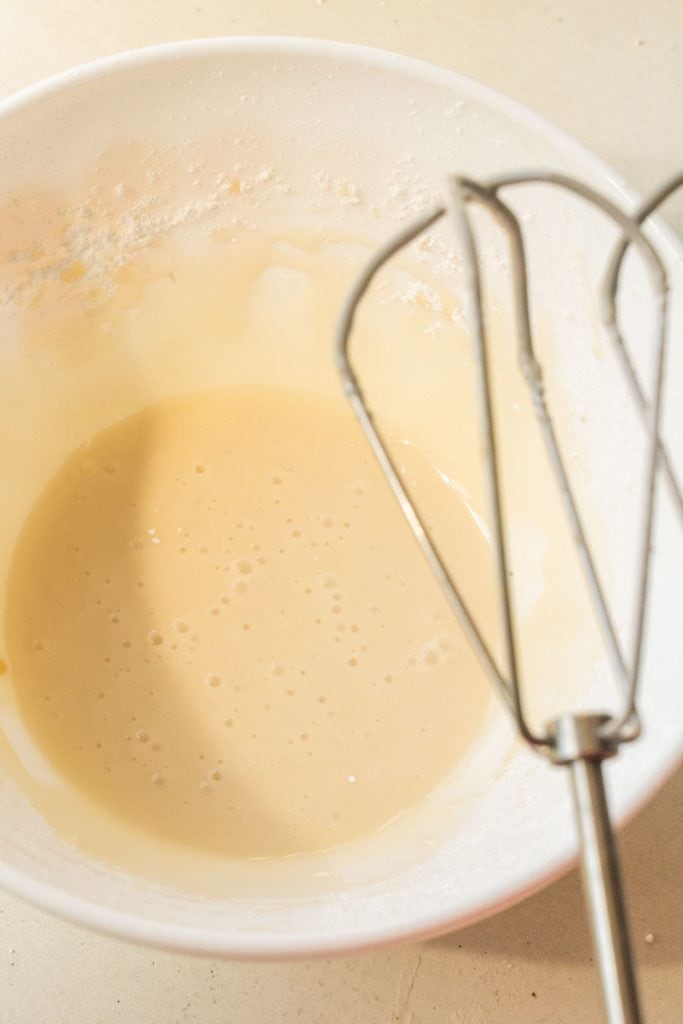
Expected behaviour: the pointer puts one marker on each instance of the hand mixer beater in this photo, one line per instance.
(579, 741)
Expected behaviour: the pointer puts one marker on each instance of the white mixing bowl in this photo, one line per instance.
(96, 166)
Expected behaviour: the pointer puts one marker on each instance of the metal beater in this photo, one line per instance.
(581, 742)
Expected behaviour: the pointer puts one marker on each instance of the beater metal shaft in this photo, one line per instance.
(580, 743)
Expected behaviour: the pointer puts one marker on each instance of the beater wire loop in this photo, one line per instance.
(463, 193)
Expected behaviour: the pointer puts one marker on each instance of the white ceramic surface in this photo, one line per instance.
(297, 106)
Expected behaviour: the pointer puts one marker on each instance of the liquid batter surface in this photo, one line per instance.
(220, 628)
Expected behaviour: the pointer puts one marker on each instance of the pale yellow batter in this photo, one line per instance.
(219, 626)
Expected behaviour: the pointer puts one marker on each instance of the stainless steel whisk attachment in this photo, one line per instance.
(579, 741)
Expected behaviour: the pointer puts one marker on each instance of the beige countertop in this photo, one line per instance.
(611, 73)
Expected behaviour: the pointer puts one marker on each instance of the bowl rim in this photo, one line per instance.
(520, 882)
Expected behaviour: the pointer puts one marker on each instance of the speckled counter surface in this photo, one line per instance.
(611, 74)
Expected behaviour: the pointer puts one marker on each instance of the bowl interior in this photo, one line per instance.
(108, 175)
